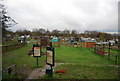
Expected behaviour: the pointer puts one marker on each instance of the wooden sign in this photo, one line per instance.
(50, 56)
(44, 41)
(36, 50)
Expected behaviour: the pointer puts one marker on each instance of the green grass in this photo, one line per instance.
(79, 55)
(10, 43)
(85, 64)
(25, 63)
(113, 51)
(86, 72)
(14, 41)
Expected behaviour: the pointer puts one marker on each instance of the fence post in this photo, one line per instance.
(95, 48)
(16, 70)
(109, 51)
(116, 59)
(9, 71)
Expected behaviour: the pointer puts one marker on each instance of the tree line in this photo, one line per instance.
(42, 32)
(66, 33)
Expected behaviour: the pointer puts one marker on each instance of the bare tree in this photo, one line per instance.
(66, 31)
(56, 32)
(74, 32)
(23, 32)
(5, 20)
(35, 32)
(42, 31)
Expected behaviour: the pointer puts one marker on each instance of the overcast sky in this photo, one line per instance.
(81, 15)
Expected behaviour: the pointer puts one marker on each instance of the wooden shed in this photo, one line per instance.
(89, 44)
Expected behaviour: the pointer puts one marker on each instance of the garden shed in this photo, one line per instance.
(89, 44)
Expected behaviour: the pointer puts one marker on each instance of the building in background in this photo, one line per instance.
(89, 44)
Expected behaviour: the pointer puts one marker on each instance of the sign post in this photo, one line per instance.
(50, 60)
(37, 52)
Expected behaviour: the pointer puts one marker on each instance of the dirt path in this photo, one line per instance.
(40, 72)
(37, 73)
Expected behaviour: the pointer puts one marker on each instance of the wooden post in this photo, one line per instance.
(37, 61)
(116, 59)
(109, 51)
(103, 46)
(16, 70)
(94, 47)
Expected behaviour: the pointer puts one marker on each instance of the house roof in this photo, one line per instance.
(90, 41)
(102, 43)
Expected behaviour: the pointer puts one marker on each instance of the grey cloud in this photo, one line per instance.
(65, 14)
